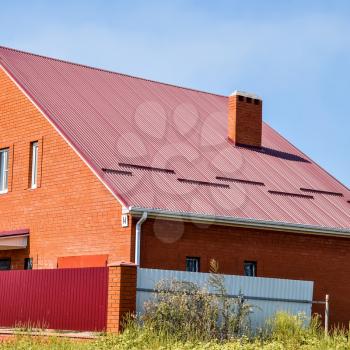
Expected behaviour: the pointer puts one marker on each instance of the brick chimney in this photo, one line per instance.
(245, 119)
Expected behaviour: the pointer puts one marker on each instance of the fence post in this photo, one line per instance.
(121, 293)
(326, 315)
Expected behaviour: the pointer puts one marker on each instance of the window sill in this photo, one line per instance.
(3, 192)
(33, 188)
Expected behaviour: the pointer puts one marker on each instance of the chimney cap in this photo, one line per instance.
(246, 94)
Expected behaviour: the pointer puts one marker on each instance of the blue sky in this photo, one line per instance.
(295, 54)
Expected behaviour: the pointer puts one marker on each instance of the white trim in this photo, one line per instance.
(4, 173)
(125, 210)
(65, 139)
(35, 157)
(246, 94)
(18, 235)
(13, 242)
(240, 222)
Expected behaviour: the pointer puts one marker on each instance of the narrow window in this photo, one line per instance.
(5, 264)
(4, 168)
(28, 263)
(34, 165)
(192, 264)
(250, 268)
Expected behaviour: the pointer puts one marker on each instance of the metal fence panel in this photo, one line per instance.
(66, 299)
(266, 295)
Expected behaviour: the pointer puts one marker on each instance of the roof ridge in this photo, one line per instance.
(110, 71)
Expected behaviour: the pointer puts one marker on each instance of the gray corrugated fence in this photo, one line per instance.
(268, 295)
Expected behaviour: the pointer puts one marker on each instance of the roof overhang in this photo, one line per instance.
(16, 239)
(239, 222)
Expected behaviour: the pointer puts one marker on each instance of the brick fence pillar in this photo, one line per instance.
(121, 293)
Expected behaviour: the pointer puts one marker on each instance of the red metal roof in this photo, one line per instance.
(19, 232)
(142, 136)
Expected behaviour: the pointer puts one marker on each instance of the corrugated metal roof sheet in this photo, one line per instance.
(112, 119)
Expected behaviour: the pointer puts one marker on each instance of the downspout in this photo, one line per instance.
(138, 238)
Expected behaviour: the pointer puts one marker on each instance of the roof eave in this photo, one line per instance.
(239, 222)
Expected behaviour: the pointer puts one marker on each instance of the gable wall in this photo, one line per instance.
(71, 213)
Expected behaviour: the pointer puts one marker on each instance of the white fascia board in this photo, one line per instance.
(240, 222)
(13, 242)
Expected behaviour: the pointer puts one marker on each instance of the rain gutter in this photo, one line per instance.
(238, 222)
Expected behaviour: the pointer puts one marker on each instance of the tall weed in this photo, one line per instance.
(185, 311)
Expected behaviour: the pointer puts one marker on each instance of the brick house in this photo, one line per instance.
(97, 166)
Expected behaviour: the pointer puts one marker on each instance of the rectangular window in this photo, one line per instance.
(250, 268)
(28, 263)
(5, 264)
(192, 264)
(34, 165)
(4, 169)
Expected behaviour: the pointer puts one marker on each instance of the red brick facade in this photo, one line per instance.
(71, 212)
(324, 260)
(121, 294)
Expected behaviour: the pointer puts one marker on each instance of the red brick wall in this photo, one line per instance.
(282, 255)
(71, 213)
(121, 294)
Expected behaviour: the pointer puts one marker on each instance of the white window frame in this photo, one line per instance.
(4, 170)
(34, 165)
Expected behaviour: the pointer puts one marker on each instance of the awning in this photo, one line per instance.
(16, 239)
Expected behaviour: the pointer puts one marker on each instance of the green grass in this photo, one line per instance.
(285, 332)
(145, 342)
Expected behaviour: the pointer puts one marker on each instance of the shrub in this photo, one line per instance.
(181, 309)
(185, 311)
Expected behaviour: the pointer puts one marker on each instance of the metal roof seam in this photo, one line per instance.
(115, 171)
(248, 182)
(110, 71)
(311, 190)
(145, 167)
(204, 183)
(292, 194)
